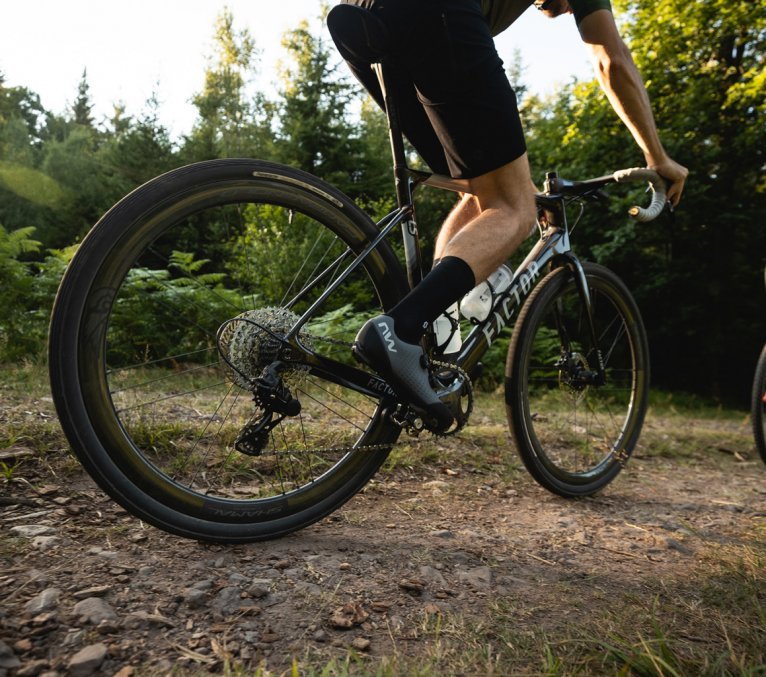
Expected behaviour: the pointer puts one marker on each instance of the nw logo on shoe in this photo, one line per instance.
(387, 336)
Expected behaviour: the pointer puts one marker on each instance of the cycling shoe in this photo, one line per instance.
(402, 364)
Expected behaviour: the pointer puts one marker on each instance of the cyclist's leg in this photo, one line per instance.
(466, 209)
(408, 26)
(488, 226)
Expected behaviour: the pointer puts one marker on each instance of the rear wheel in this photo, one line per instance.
(167, 316)
(573, 432)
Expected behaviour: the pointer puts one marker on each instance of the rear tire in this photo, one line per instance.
(148, 406)
(573, 435)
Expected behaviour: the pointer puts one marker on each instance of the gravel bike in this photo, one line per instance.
(200, 341)
(758, 405)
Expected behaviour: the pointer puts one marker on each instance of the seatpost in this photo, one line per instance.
(402, 180)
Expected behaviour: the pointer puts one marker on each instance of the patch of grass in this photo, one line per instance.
(710, 621)
(689, 404)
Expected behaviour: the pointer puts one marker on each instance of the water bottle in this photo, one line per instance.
(447, 330)
(477, 303)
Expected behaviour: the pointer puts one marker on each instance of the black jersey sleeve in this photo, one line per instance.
(582, 8)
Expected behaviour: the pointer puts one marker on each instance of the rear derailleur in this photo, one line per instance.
(274, 398)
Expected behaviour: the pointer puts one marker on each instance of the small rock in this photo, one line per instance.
(8, 660)
(87, 661)
(480, 577)
(33, 669)
(93, 591)
(108, 554)
(32, 530)
(23, 645)
(44, 619)
(107, 628)
(673, 544)
(45, 542)
(442, 533)
(47, 600)
(259, 588)
(412, 585)
(195, 598)
(361, 644)
(227, 601)
(125, 671)
(142, 619)
(320, 636)
(270, 637)
(347, 616)
(93, 610)
(431, 575)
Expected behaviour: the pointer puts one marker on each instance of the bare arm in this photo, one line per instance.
(625, 90)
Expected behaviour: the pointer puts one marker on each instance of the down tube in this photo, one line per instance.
(524, 280)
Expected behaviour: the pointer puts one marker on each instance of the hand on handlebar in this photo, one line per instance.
(675, 174)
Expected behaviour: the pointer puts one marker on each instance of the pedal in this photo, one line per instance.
(408, 420)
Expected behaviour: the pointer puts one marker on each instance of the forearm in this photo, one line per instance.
(622, 83)
(623, 86)
(625, 90)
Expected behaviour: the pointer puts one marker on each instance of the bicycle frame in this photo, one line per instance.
(553, 249)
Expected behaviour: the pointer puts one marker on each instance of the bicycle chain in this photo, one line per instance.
(413, 432)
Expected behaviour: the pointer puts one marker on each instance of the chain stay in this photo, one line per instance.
(405, 422)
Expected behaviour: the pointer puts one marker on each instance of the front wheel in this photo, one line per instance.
(574, 428)
(759, 405)
(175, 305)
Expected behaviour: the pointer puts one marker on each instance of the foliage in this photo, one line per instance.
(173, 311)
(697, 276)
(17, 335)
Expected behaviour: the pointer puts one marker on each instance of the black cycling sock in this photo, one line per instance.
(444, 285)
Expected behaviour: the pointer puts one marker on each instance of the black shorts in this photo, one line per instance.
(457, 107)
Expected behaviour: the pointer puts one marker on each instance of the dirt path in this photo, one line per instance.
(449, 567)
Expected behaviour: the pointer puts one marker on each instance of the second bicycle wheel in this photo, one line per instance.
(172, 307)
(758, 408)
(573, 432)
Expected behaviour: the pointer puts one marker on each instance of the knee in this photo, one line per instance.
(518, 208)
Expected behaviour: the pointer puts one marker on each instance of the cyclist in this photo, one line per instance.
(458, 110)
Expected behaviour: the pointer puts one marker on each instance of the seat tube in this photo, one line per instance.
(402, 179)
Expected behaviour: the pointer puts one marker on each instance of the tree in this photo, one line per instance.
(82, 108)
(137, 150)
(315, 132)
(232, 122)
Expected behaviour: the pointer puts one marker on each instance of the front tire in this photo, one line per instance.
(573, 434)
